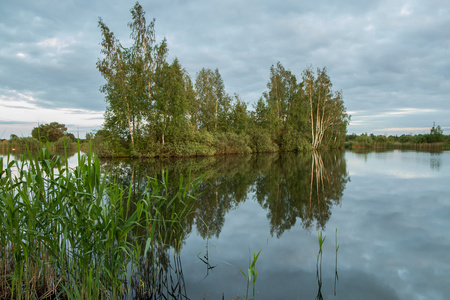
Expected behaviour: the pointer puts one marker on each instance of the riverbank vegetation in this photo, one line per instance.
(76, 234)
(54, 136)
(433, 140)
(154, 107)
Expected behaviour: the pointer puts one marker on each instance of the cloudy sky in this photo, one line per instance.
(391, 58)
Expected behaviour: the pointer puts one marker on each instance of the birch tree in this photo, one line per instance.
(115, 69)
(146, 57)
(214, 103)
(130, 74)
(327, 112)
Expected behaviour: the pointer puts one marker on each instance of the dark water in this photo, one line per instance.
(389, 212)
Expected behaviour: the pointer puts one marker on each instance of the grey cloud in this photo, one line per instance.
(378, 57)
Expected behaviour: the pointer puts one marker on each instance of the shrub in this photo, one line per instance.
(188, 149)
(64, 143)
(260, 141)
(25, 143)
(293, 140)
(364, 141)
(232, 143)
(105, 144)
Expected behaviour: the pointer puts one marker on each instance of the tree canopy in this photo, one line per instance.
(154, 107)
(50, 132)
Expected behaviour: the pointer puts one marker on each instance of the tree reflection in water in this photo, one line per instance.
(290, 187)
(301, 186)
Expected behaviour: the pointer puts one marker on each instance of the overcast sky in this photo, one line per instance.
(390, 58)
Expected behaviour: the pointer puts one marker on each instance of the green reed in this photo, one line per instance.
(252, 273)
(72, 232)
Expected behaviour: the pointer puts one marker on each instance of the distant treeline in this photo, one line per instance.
(52, 136)
(154, 108)
(435, 139)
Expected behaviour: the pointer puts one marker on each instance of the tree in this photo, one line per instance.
(328, 118)
(49, 132)
(436, 134)
(170, 101)
(130, 75)
(239, 117)
(214, 103)
(285, 109)
(277, 98)
(204, 83)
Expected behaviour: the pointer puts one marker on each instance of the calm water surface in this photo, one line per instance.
(392, 222)
(389, 213)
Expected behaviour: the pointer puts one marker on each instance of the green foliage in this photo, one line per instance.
(65, 142)
(187, 149)
(406, 138)
(252, 273)
(239, 118)
(50, 132)
(436, 135)
(214, 104)
(73, 233)
(130, 76)
(364, 141)
(171, 104)
(106, 144)
(381, 140)
(232, 143)
(261, 141)
(24, 143)
(293, 140)
(434, 139)
(155, 109)
(321, 240)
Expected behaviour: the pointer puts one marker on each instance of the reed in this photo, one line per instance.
(321, 240)
(70, 232)
(252, 273)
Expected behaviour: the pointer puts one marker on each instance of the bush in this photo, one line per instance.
(64, 143)
(232, 143)
(293, 140)
(106, 145)
(204, 137)
(260, 141)
(380, 141)
(182, 149)
(406, 138)
(364, 141)
(25, 143)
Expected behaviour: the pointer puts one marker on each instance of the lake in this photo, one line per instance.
(385, 217)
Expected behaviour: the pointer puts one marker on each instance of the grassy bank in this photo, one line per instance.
(436, 140)
(399, 145)
(73, 233)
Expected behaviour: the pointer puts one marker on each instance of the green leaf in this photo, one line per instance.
(147, 245)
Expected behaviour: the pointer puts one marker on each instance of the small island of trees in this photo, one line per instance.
(154, 108)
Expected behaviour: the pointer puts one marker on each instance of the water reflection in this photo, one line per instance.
(19, 154)
(290, 187)
(159, 276)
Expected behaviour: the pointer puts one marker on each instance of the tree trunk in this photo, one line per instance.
(129, 122)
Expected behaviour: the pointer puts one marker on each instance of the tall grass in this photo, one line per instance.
(74, 233)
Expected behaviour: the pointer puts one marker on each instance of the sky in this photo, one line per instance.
(390, 58)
